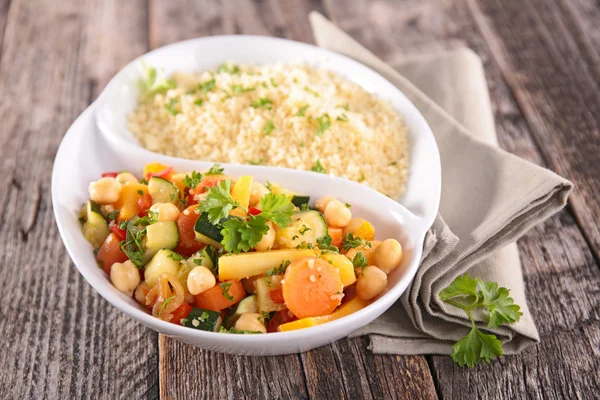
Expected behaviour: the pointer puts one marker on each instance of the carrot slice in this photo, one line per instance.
(222, 296)
(336, 237)
(312, 287)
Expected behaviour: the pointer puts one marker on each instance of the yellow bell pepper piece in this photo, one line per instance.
(241, 193)
(365, 231)
(128, 199)
(154, 168)
(178, 178)
(344, 310)
(244, 265)
(344, 265)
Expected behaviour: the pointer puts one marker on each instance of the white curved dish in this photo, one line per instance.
(86, 151)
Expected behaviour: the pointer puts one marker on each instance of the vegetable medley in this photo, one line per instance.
(218, 253)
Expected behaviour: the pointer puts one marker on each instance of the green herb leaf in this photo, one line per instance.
(113, 215)
(251, 162)
(193, 180)
(237, 89)
(197, 261)
(309, 90)
(280, 270)
(318, 167)
(351, 242)
(359, 261)
(165, 303)
(170, 106)
(207, 86)
(268, 128)
(225, 287)
(218, 202)
(277, 208)
(229, 69)
(301, 111)
(153, 81)
(262, 102)
(222, 329)
(241, 235)
(324, 244)
(123, 225)
(199, 102)
(215, 170)
(469, 293)
(273, 82)
(476, 347)
(175, 256)
(323, 123)
(342, 118)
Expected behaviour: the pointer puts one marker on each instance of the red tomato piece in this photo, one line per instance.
(254, 211)
(144, 203)
(180, 313)
(110, 174)
(188, 244)
(191, 200)
(120, 233)
(279, 318)
(165, 173)
(110, 252)
(206, 184)
(277, 296)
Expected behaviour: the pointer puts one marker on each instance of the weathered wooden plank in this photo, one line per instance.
(561, 274)
(61, 340)
(358, 374)
(554, 78)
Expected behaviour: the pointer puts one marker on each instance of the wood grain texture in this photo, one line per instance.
(60, 339)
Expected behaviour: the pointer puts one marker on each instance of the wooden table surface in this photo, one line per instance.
(61, 340)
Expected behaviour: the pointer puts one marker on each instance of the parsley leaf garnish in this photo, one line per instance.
(193, 180)
(153, 81)
(268, 128)
(222, 329)
(301, 111)
(251, 162)
(237, 89)
(215, 170)
(242, 235)
(175, 256)
(218, 202)
(359, 261)
(165, 303)
(467, 294)
(229, 69)
(323, 123)
(351, 241)
(318, 167)
(225, 287)
(324, 244)
(207, 86)
(199, 102)
(280, 270)
(274, 83)
(262, 102)
(113, 215)
(277, 208)
(170, 106)
(342, 118)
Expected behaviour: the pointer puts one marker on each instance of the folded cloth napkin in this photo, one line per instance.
(489, 199)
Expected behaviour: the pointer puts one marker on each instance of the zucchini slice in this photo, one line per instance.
(299, 200)
(201, 258)
(163, 191)
(205, 320)
(160, 235)
(164, 261)
(95, 228)
(263, 298)
(306, 228)
(247, 305)
(209, 233)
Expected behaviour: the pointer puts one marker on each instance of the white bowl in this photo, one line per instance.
(98, 141)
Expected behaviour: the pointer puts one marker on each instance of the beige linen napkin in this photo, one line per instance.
(489, 199)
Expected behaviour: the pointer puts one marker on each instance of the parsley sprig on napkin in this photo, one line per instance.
(468, 294)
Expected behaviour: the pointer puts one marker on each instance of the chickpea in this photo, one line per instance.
(105, 190)
(267, 240)
(126, 177)
(257, 190)
(250, 322)
(337, 214)
(200, 279)
(322, 203)
(371, 282)
(388, 255)
(125, 277)
(141, 291)
(167, 212)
